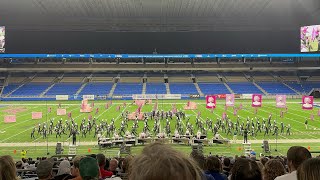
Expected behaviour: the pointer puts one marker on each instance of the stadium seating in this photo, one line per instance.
(96, 89)
(128, 89)
(244, 88)
(64, 89)
(304, 87)
(9, 88)
(31, 89)
(183, 88)
(275, 88)
(213, 88)
(156, 88)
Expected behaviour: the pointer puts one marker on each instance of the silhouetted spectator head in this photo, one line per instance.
(101, 158)
(7, 168)
(89, 169)
(309, 170)
(245, 169)
(213, 164)
(76, 165)
(44, 169)
(272, 169)
(296, 156)
(161, 162)
(113, 164)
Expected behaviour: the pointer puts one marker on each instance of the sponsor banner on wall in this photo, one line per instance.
(194, 96)
(62, 97)
(156, 96)
(89, 97)
(246, 96)
(117, 97)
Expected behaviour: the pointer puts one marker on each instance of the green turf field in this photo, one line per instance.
(19, 132)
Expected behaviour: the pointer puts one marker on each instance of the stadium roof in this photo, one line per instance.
(158, 15)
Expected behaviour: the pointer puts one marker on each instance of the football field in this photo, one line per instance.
(16, 136)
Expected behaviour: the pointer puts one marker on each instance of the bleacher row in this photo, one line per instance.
(45, 89)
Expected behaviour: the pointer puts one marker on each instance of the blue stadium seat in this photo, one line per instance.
(213, 88)
(31, 89)
(305, 87)
(275, 88)
(128, 89)
(182, 88)
(64, 89)
(156, 88)
(96, 89)
(244, 88)
(9, 88)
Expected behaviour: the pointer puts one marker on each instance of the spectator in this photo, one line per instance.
(309, 170)
(214, 168)
(102, 162)
(113, 166)
(201, 161)
(64, 171)
(264, 160)
(273, 169)
(89, 169)
(75, 172)
(226, 166)
(44, 169)
(126, 163)
(7, 168)
(161, 162)
(296, 155)
(245, 169)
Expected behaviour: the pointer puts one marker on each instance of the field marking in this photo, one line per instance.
(295, 120)
(26, 129)
(297, 129)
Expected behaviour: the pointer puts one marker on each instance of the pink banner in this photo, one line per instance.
(307, 102)
(140, 102)
(61, 112)
(256, 100)
(211, 101)
(9, 118)
(281, 101)
(229, 100)
(36, 115)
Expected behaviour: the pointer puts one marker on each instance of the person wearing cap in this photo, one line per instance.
(44, 169)
(64, 171)
(89, 169)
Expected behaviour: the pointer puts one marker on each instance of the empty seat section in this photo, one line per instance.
(244, 88)
(275, 88)
(128, 88)
(64, 89)
(31, 89)
(213, 88)
(96, 89)
(183, 88)
(9, 88)
(156, 88)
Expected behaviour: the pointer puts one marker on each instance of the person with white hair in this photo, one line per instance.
(64, 171)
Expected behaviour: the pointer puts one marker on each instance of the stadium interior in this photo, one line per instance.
(159, 89)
